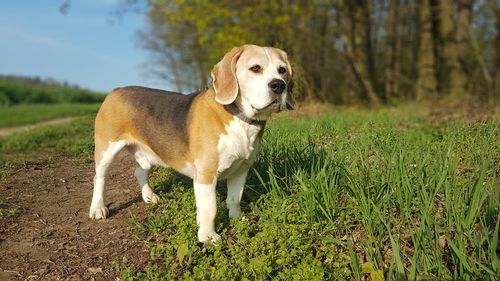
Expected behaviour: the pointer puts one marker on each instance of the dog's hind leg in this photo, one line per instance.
(103, 159)
(142, 173)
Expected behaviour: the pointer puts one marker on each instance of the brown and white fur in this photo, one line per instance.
(209, 136)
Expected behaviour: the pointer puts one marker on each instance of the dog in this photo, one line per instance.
(209, 136)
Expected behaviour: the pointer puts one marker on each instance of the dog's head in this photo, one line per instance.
(258, 79)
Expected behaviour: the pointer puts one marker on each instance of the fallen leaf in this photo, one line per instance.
(442, 241)
(182, 251)
(94, 270)
(377, 275)
(367, 267)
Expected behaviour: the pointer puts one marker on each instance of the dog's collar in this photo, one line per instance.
(233, 109)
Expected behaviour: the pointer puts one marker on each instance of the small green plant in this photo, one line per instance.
(7, 209)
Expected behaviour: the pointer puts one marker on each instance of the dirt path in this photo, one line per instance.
(51, 237)
(8, 131)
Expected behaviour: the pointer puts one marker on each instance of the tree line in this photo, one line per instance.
(21, 89)
(344, 52)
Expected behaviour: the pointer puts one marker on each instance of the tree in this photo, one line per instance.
(449, 32)
(496, 69)
(426, 87)
(342, 51)
(458, 80)
(356, 34)
(392, 51)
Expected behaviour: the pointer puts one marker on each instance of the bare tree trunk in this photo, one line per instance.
(321, 60)
(415, 44)
(366, 8)
(406, 69)
(452, 71)
(391, 86)
(349, 89)
(496, 69)
(354, 34)
(482, 64)
(362, 59)
(462, 39)
(426, 82)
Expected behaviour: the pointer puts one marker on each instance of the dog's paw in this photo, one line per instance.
(98, 212)
(149, 196)
(208, 238)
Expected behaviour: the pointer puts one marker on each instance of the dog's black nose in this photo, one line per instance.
(277, 86)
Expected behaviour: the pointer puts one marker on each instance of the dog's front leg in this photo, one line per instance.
(235, 185)
(206, 210)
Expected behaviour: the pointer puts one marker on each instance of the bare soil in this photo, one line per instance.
(51, 237)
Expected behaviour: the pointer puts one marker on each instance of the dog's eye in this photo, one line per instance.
(281, 70)
(256, 68)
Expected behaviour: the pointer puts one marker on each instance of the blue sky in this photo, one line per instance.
(89, 46)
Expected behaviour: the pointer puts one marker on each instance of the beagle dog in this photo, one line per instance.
(209, 136)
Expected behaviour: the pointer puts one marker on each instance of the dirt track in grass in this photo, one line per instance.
(8, 131)
(51, 237)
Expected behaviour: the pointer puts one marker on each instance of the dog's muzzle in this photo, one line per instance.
(277, 86)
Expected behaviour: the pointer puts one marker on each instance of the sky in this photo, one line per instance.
(89, 46)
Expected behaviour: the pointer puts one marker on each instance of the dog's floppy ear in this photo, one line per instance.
(224, 77)
(290, 101)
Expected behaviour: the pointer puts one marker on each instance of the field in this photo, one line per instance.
(391, 194)
(16, 90)
(33, 113)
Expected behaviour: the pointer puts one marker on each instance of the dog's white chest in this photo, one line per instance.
(237, 148)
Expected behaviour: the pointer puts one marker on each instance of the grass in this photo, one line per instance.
(23, 114)
(73, 138)
(340, 196)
